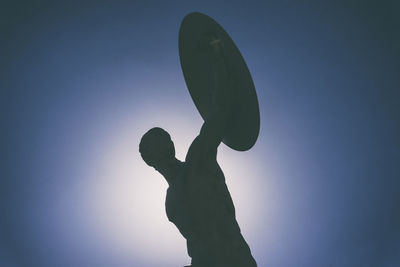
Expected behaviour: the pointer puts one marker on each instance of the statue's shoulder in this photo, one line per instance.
(198, 154)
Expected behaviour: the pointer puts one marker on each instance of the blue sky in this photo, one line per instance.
(81, 82)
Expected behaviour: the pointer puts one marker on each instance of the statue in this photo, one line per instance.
(198, 201)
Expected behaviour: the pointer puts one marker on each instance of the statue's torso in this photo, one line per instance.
(199, 204)
(195, 195)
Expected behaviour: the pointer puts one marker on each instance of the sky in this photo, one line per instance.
(81, 81)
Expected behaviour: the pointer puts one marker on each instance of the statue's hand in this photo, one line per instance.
(216, 44)
(211, 42)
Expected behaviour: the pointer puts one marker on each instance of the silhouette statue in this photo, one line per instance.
(198, 201)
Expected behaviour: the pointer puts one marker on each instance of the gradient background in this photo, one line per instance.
(81, 81)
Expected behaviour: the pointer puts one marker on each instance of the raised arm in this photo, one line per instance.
(218, 120)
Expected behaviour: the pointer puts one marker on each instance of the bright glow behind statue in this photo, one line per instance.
(128, 197)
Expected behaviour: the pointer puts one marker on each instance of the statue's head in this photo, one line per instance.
(157, 148)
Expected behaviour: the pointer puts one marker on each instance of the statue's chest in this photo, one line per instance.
(176, 202)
